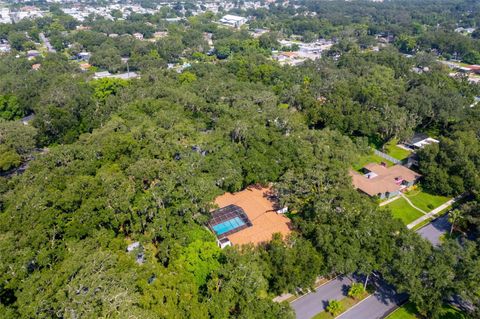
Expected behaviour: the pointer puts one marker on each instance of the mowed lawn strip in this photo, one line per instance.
(409, 311)
(372, 158)
(426, 201)
(394, 151)
(402, 210)
(346, 303)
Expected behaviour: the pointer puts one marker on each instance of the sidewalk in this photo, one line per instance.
(388, 201)
(433, 212)
(411, 204)
(316, 301)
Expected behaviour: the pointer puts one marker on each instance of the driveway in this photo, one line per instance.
(309, 305)
(433, 231)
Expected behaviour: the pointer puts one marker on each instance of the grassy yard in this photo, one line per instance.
(401, 209)
(425, 201)
(346, 303)
(408, 311)
(371, 158)
(394, 151)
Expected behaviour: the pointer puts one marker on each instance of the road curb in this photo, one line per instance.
(300, 297)
(371, 295)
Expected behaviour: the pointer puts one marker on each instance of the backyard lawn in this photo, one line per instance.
(394, 151)
(425, 201)
(401, 209)
(371, 158)
(408, 311)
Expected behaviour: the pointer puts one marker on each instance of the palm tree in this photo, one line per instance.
(454, 217)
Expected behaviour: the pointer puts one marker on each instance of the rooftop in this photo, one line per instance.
(230, 17)
(379, 179)
(249, 216)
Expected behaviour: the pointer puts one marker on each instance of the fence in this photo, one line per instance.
(387, 157)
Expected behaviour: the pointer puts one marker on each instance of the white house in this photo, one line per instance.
(233, 21)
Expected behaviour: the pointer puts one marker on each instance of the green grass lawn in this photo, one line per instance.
(402, 210)
(371, 158)
(394, 151)
(426, 201)
(408, 311)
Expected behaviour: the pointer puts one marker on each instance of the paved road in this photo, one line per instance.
(47, 43)
(377, 306)
(433, 231)
(309, 305)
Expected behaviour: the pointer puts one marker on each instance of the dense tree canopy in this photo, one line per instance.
(142, 160)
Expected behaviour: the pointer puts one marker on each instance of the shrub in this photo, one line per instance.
(334, 307)
(356, 290)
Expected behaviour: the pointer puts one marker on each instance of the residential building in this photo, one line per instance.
(4, 48)
(251, 216)
(84, 56)
(378, 180)
(420, 140)
(32, 53)
(233, 21)
(138, 36)
(124, 76)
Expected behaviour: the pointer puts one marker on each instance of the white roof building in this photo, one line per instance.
(233, 21)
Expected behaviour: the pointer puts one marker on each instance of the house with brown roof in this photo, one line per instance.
(382, 181)
(251, 216)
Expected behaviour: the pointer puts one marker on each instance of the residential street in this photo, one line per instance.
(433, 231)
(309, 305)
(377, 306)
(47, 43)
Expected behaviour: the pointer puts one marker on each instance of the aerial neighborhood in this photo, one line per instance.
(287, 159)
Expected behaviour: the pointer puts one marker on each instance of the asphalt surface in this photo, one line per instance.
(433, 231)
(381, 303)
(47, 43)
(309, 305)
(377, 306)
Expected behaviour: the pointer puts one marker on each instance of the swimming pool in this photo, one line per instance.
(228, 225)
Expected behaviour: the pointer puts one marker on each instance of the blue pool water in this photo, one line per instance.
(228, 225)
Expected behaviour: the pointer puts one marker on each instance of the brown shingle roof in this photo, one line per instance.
(388, 179)
(260, 209)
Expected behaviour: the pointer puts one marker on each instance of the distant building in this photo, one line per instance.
(124, 76)
(32, 53)
(4, 48)
(248, 217)
(84, 56)
(382, 181)
(138, 36)
(465, 30)
(27, 119)
(233, 21)
(85, 66)
(258, 32)
(420, 140)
